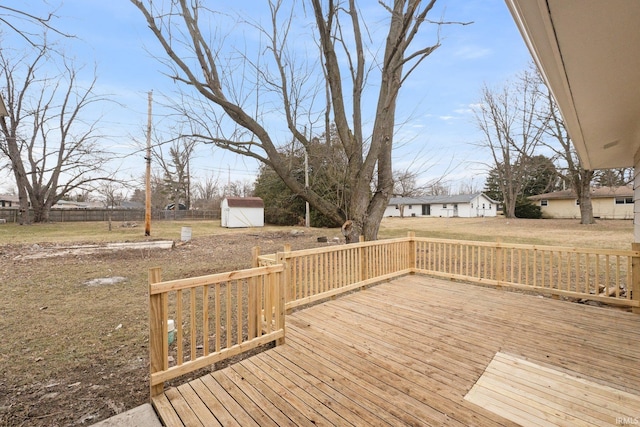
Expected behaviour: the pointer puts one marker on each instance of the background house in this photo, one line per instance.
(238, 212)
(608, 203)
(462, 205)
(9, 201)
(588, 53)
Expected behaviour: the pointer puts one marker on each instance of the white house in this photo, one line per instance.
(238, 212)
(462, 205)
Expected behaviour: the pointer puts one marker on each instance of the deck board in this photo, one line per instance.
(533, 394)
(407, 352)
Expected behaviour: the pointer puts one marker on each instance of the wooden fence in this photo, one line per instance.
(229, 313)
(216, 317)
(117, 215)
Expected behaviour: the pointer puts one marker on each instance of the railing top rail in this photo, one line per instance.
(305, 252)
(548, 248)
(614, 252)
(174, 285)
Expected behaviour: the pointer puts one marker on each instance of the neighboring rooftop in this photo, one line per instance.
(596, 193)
(424, 200)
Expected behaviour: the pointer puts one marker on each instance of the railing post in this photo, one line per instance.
(158, 331)
(255, 253)
(254, 310)
(282, 258)
(281, 284)
(362, 255)
(499, 267)
(412, 251)
(635, 277)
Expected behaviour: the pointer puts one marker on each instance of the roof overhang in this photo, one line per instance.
(589, 54)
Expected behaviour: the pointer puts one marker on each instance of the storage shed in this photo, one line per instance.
(238, 212)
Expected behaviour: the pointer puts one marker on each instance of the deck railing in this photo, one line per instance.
(590, 274)
(222, 315)
(215, 317)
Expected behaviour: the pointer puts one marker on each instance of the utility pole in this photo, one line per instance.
(147, 210)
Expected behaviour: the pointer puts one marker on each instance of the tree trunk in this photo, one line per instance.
(584, 198)
(20, 176)
(40, 214)
(509, 206)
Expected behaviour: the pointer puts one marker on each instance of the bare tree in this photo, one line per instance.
(613, 177)
(284, 84)
(176, 168)
(508, 118)
(577, 178)
(52, 150)
(405, 185)
(207, 193)
(438, 189)
(112, 196)
(238, 189)
(20, 21)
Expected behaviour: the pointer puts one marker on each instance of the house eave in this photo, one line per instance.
(588, 52)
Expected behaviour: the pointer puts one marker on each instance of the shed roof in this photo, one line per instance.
(244, 202)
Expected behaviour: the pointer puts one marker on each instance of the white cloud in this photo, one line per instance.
(472, 52)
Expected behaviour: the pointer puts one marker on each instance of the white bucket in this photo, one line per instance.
(186, 234)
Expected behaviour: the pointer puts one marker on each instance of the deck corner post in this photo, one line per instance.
(158, 333)
(412, 255)
(635, 277)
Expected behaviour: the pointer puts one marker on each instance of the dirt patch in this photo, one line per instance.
(73, 345)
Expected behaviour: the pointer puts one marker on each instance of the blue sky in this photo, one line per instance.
(438, 131)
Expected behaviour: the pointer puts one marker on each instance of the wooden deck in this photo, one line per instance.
(407, 352)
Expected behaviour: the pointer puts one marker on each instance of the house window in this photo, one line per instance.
(444, 206)
(409, 206)
(624, 200)
(471, 205)
(544, 203)
(577, 202)
(397, 207)
(483, 206)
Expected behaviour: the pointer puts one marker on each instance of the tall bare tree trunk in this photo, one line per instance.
(582, 187)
